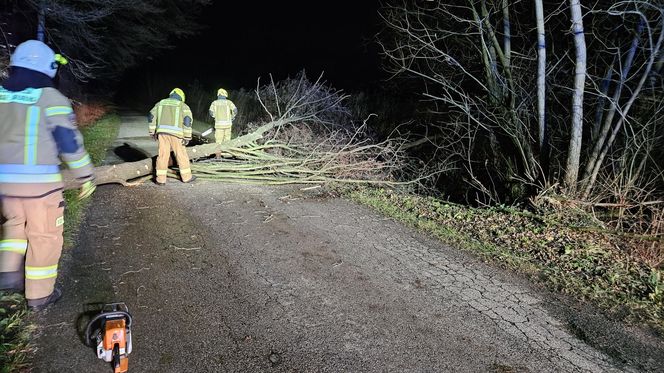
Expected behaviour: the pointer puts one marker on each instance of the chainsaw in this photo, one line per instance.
(110, 333)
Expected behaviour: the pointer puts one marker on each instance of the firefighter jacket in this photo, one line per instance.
(38, 131)
(223, 111)
(171, 116)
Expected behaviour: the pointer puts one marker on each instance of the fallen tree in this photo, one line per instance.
(304, 140)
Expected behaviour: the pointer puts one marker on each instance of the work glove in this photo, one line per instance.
(86, 190)
(185, 142)
(154, 136)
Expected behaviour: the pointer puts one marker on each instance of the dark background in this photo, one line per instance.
(241, 41)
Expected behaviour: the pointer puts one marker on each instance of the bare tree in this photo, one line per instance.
(494, 122)
(102, 38)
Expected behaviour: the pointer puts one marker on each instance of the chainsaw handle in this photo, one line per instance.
(105, 315)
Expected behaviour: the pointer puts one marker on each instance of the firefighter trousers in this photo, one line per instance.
(168, 143)
(32, 241)
(222, 134)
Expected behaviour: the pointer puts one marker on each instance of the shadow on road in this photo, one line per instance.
(129, 152)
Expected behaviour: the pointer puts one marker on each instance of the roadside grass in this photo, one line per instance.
(97, 138)
(568, 252)
(15, 333)
(15, 329)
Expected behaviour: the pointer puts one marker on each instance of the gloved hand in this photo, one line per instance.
(87, 189)
(185, 142)
(154, 136)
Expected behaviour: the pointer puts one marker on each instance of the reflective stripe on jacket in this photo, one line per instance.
(172, 117)
(38, 131)
(223, 111)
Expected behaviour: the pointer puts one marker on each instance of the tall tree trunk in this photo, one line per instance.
(574, 151)
(507, 37)
(41, 22)
(637, 91)
(615, 103)
(541, 73)
(601, 100)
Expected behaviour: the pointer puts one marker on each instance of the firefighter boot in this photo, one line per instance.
(12, 281)
(40, 304)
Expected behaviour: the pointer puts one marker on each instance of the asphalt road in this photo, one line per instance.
(229, 278)
(245, 279)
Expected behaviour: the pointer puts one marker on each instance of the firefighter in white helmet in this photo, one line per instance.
(170, 122)
(39, 131)
(224, 112)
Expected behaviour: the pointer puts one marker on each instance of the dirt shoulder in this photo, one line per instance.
(235, 278)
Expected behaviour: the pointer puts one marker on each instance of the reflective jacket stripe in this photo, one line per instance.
(30, 178)
(40, 273)
(31, 135)
(20, 173)
(58, 110)
(84, 161)
(13, 245)
(170, 129)
(29, 169)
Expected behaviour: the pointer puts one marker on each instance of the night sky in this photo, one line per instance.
(282, 38)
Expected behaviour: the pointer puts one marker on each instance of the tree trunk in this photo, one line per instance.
(541, 72)
(615, 103)
(507, 37)
(124, 172)
(637, 91)
(41, 22)
(574, 151)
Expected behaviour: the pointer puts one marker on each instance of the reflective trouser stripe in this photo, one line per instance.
(185, 170)
(40, 273)
(162, 172)
(13, 245)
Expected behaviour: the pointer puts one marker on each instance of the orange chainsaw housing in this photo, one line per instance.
(115, 334)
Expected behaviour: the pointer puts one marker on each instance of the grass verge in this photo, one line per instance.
(15, 330)
(567, 251)
(97, 138)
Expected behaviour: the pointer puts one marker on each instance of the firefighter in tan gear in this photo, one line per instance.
(38, 132)
(223, 111)
(170, 122)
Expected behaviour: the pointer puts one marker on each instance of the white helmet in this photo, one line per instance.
(37, 56)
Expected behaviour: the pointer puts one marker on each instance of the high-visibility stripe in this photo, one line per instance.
(29, 169)
(14, 245)
(28, 178)
(41, 273)
(31, 135)
(58, 110)
(27, 96)
(185, 170)
(169, 129)
(162, 172)
(84, 161)
(177, 115)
